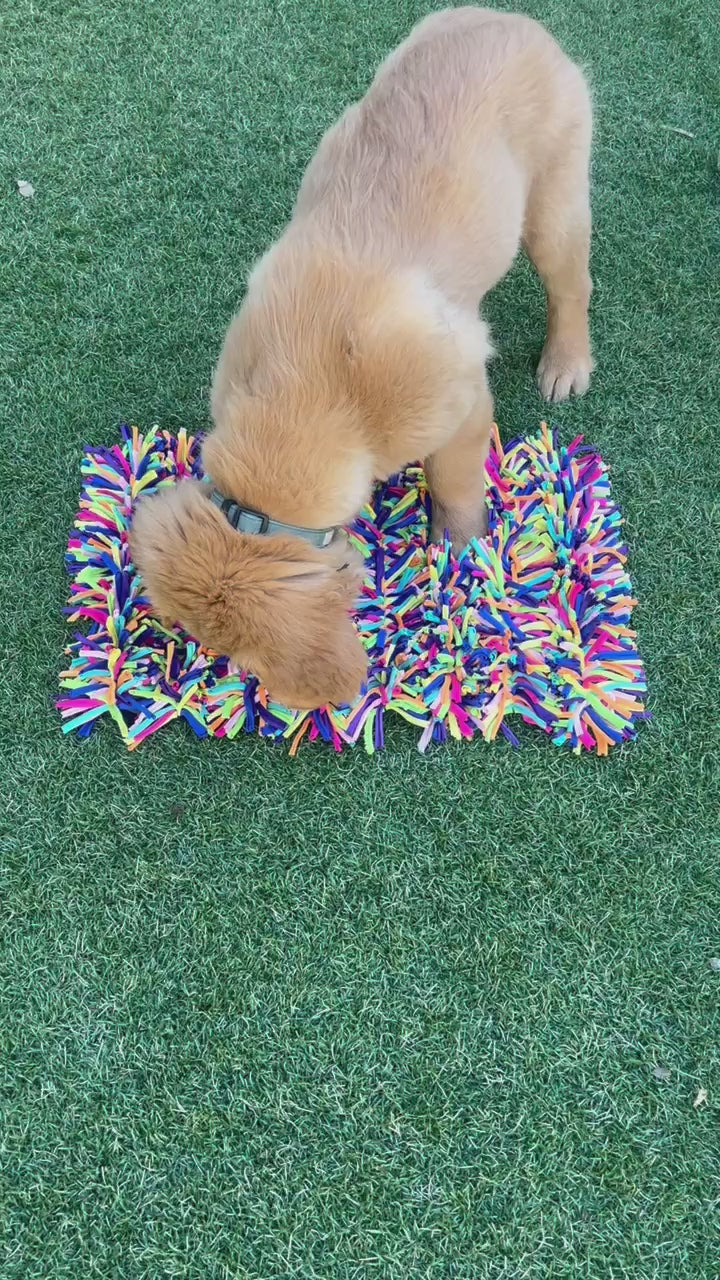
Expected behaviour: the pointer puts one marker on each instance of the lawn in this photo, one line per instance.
(350, 1018)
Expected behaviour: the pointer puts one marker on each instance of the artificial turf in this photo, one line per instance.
(349, 1017)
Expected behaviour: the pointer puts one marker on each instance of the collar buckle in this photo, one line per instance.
(242, 518)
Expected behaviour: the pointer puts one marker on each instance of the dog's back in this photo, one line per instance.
(437, 159)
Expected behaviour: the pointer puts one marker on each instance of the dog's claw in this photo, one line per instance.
(562, 375)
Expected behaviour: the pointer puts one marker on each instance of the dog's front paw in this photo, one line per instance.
(460, 528)
(563, 371)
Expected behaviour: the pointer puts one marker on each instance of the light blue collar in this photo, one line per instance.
(246, 520)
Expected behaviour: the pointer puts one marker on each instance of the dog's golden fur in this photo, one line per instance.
(358, 347)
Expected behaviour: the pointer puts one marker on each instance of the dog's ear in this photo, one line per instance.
(275, 606)
(310, 654)
(184, 550)
(416, 361)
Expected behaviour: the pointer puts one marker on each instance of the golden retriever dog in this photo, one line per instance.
(358, 347)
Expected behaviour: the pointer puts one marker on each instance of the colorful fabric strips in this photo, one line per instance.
(532, 622)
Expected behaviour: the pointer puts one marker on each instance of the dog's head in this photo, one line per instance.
(275, 605)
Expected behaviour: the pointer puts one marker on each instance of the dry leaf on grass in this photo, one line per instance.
(661, 1073)
(701, 1097)
(715, 964)
(25, 189)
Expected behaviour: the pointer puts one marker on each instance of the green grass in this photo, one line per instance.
(349, 1018)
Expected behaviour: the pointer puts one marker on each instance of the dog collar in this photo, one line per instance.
(246, 520)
